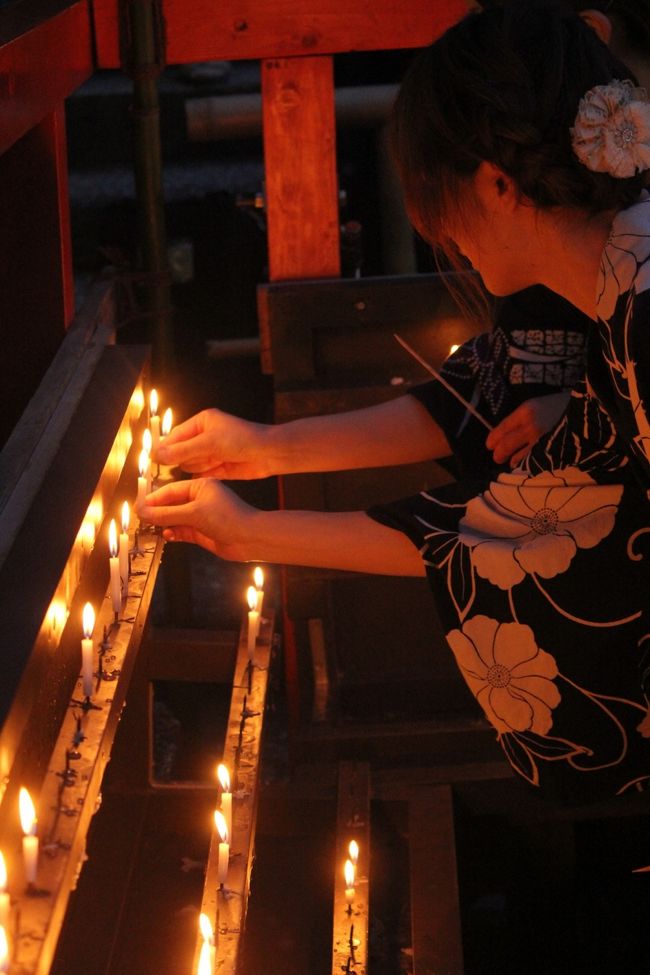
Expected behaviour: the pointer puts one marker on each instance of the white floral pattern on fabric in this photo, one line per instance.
(624, 257)
(523, 525)
(612, 130)
(510, 676)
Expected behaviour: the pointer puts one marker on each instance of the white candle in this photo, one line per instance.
(224, 846)
(116, 584)
(253, 620)
(124, 547)
(5, 900)
(88, 620)
(143, 463)
(348, 873)
(166, 425)
(208, 948)
(226, 796)
(258, 579)
(147, 445)
(4, 949)
(206, 959)
(29, 823)
(154, 422)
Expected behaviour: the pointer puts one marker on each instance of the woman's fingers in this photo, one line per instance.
(184, 451)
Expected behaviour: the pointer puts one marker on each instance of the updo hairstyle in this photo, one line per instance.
(502, 86)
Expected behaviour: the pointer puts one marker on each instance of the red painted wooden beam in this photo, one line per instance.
(45, 53)
(203, 30)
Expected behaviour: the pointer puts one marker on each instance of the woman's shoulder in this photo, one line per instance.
(537, 308)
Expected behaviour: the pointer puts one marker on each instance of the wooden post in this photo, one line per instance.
(300, 161)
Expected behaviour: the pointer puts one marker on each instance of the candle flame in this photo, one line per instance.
(143, 463)
(112, 538)
(353, 850)
(222, 826)
(3, 872)
(251, 597)
(258, 577)
(27, 812)
(147, 440)
(453, 348)
(166, 425)
(205, 927)
(125, 516)
(4, 948)
(348, 873)
(88, 620)
(224, 778)
(153, 402)
(205, 961)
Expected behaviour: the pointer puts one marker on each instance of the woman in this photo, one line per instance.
(523, 148)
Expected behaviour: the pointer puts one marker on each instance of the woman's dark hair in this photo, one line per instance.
(630, 19)
(503, 86)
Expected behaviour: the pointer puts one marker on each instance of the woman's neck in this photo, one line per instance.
(569, 255)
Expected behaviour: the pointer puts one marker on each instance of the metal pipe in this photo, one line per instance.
(223, 117)
(142, 55)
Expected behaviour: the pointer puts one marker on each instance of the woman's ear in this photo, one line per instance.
(494, 187)
(599, 23)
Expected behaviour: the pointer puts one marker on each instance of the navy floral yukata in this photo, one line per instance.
(542, 580)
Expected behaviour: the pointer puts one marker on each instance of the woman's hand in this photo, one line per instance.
(216, 444)
(202, 511)
(520, 430)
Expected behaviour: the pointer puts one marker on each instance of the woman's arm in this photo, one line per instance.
(216, 444)
(209, 514)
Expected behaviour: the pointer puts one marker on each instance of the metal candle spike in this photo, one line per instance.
(436, 375)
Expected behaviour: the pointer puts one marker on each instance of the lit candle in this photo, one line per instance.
(226, 796)
(453, 348)
(4, 949)
(28, 823)
(124, 547)
(116, 585)
(147, 444)
(224, 846)
(88, 620)
(166, 425)
(348, 873)
(353, 852)
(206, 965)
(253, 619)
(5, 900)
(143, 464)
(208, 948)
(154, 421)
(258, 579)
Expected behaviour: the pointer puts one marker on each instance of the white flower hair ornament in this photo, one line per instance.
(612, 129)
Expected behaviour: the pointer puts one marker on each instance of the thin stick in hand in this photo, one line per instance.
(450, 389)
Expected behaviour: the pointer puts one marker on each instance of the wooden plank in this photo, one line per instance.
(45, 53)
(435, 905)
(238, 29)
(341, 332)
(350, 919)
(226, 904)
(93, 467)
(68, 799)
(301, 186)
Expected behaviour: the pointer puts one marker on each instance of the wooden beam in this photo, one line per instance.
(240, 29)
(45, 53)
(435, 906)
(300, 163)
